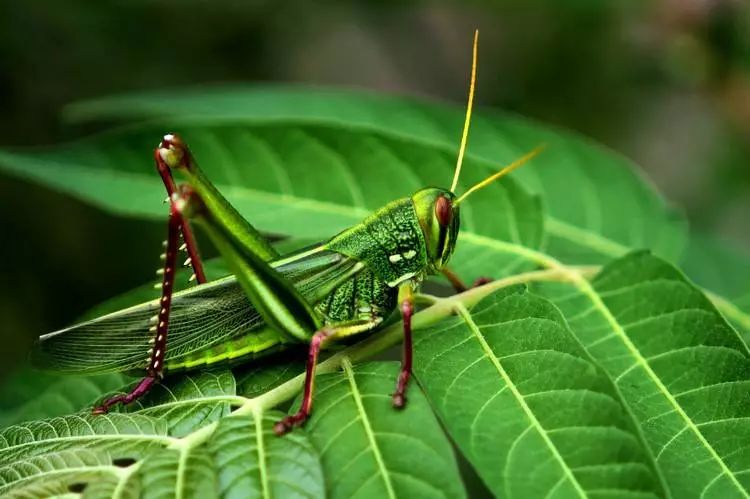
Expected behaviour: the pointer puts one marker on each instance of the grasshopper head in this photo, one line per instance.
(439, 218)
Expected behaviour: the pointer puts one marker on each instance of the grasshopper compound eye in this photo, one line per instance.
(443, 211)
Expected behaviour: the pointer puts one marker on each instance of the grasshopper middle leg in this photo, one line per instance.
(406, 301)
(319, 339)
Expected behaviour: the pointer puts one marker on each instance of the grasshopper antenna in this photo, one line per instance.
(467, 120)
(503, 172)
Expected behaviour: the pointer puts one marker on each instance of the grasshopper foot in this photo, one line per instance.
(481, 281)
(289, 423)
(399, 396)
(399, 400)
(140, 390)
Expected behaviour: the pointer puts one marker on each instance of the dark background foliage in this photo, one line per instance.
(665, 82)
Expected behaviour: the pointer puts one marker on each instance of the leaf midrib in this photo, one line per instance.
(349, 373)
(588, 290)
(261, 450)
(553, 225)
(97, 436)
(490, 355)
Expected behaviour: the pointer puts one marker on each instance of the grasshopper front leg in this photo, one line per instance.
(458, 284)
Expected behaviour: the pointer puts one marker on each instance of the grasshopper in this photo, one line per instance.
(345, 286)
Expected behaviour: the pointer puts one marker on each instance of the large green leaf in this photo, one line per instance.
(30, 394)
(174, 441)
(186, 403)
(362, 439)
(599, 428)
(269, 148)
(122, 435)
(53, 473)
(577, 179)
(682, 370)
(528, 406)
(275, 467)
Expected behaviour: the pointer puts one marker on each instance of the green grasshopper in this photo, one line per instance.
(347, 285)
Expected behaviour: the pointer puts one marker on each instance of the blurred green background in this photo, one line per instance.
(665, 82)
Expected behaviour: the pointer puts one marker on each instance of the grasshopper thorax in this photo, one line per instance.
(439, 217)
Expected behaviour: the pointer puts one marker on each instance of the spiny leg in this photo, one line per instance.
(406, 301)
(317, 342)
(161, 153)
(459, 285)
(156, 358)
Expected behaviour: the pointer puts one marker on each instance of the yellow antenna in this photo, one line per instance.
(467, 120)
(506, 170)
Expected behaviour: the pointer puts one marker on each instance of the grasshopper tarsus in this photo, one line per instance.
(140, 390)
(458, 284)
(98, 411)
(289, 423)
(399, 400)
(481, 281)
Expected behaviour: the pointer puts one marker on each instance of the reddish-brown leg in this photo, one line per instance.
(143, 387)
(459, 285)
(289, 422)
(481, 281)
(155, 360)
(171, 140)
(399, 396)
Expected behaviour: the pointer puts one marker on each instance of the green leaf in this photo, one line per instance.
(586, 224)
(368, 449)
(175, 440)
(186, 403)
(273, 466)
(724, 269)
(267, 149)
(53, 473)
(527, 406)
(29, 394)
(682, 370)
(186, 473)
(265, 374)
(658, 388)
(126, 435)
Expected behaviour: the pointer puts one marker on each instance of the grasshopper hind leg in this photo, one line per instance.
(140, 390)
(168, 143)
(177, 225)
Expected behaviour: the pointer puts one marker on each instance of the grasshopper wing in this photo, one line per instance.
(201, 317)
